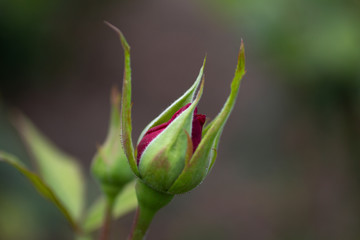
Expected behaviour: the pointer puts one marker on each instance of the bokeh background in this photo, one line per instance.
(288, 165)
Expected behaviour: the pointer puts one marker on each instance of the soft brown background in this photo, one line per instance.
(288, 162)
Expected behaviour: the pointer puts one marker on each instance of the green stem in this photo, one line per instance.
(105, 230)
(142, 222)
(150, 202)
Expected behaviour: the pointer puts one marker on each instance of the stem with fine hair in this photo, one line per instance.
(141, 224)
(150, 202)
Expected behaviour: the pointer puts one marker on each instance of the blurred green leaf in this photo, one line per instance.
(124, 203)
(59, 170)
(39, 184)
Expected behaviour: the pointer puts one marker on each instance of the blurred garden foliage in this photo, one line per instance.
(308, 47)
(34, 42)
(311, 41)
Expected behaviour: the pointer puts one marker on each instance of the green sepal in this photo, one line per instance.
(126, 126)
(41, 186)
(110, 166)
(186, 98)
(59, 170)
(204, 157)
(150, 198)
(163, 159)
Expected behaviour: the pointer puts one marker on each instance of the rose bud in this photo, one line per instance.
(110, 165)
(174, 153)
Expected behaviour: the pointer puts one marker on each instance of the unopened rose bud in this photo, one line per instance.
(174, 154)
(110, 165)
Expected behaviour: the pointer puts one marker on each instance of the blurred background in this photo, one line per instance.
(289, 160)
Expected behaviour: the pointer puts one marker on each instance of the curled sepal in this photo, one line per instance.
(110, 166)
(186, 98)
(163, 159)
(43, 188)
(126, 126)
(203, 158)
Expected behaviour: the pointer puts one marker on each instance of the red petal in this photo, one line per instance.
(197, 125)
(152, 133)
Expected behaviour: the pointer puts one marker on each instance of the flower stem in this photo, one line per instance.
(105, 230)
(142, 222)
(150, 202)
